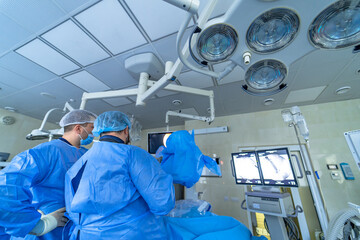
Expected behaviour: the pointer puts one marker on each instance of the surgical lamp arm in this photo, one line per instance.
(46, 117)
(187, 5)
(68, 107)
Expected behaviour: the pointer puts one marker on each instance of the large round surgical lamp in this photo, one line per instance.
(265, 78)
(273, 30)
(216, 43)
(338, 26)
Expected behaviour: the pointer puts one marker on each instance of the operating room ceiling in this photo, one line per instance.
(51, 51)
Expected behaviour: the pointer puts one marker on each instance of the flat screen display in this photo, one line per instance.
(246, 168)
(156, 140)
(276, 167)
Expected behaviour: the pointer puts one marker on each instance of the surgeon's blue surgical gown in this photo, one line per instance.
(117, 191)
(34, 181)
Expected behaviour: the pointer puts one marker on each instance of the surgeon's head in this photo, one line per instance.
(78, 125)
(113, 123)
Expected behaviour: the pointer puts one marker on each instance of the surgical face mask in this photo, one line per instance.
(88, 140)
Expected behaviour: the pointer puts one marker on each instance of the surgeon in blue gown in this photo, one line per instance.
(117, 191)
(32, 186)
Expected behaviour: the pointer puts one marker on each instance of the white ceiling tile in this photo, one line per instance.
(304, 95)
(112, 73)
(71, 5)
(164, 93)
(87, 82)
(33, 15)
(220, 8)
(158, 18)
(237, 74)
(195, 80)
(112, 26)
(70, 39)
(14, 80)
(26, 68)
(115, 102)
(14, 33)
(45, 56)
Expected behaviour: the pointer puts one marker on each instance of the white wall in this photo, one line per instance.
(327, 124)
(12, 137)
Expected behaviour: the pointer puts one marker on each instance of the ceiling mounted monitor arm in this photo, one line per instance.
(210, 94)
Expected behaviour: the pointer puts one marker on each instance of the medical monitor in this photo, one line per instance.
(276, 167)
(246, 168)
(4, 156)
(155, 140)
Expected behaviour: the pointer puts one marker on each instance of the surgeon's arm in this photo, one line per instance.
(154, 185)
(17, 214)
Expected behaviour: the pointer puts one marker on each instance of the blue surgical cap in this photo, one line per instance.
(111, 121)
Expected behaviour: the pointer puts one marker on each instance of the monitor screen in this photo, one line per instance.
(276, 167)
(155, 140)
(246, 168)
(4, 156)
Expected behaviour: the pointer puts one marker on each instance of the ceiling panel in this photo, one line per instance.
(26, 68)
(47, 57)
(115, 102)
(14, 80)
(325, 66)
(304, 95)
(6, 90)
(14, 33)
(111, 25)
(87, 82)
(33, 15)
(195, 80)
(166, 47)
(237, 74)
(59, 88)
(329, 93)
(71, 5)
(220, 8)
(112, 73)
(351, 71)
(151, 17)
(74, 42)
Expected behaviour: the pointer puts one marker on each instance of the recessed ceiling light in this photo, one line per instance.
(11, 109)
(269, 101)
(72, 100)
(342, 90)
(48, 95)
(177, 102)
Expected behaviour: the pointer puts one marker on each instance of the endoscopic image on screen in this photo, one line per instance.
(246, 168)
(155, 140)
(276, 167)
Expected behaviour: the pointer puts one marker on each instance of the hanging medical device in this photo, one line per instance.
(295, 119)
(41, 133)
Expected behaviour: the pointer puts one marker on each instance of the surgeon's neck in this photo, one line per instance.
(72, 139)
(120, 135)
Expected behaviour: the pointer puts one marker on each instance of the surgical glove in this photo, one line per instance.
(49, 222)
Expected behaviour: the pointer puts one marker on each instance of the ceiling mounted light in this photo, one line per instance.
(269, 101)
(177, 102)
(338, 26)
(265, 75)
(272, 30)
(342, 90)
(217, 43)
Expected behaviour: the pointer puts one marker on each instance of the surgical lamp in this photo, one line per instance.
(265, 78)
(40, 134)
(338, 26)
(273, 30)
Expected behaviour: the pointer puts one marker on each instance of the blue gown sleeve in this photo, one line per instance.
(18, 216)
(153, 184)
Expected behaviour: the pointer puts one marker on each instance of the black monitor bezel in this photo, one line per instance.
(291, 165)
(157, 133)
(257, 160)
